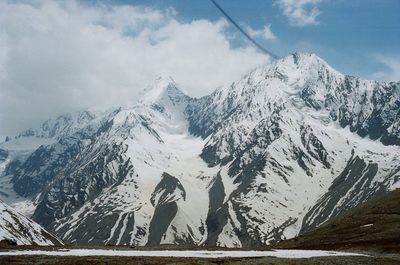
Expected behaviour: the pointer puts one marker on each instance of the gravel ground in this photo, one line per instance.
(28, 260)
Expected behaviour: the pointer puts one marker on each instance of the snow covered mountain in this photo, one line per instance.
(21, 230)
(281, 151)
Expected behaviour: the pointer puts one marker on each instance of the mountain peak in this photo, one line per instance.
(299, 57)
(303, 64)
(161, 90)
(284, 77)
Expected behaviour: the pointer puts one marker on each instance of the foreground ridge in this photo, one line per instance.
(17, 229)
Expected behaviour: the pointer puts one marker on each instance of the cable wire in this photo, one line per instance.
(261, 48)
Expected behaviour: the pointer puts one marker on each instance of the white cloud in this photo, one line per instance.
(378, 75)
(392, 63)
(300, 12)
(265, 33)
(62, 56)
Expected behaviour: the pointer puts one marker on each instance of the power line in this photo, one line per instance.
(243, 31)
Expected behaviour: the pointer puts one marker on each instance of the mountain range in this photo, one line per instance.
(283, 150)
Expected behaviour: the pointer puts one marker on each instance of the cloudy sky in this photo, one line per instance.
(59, 56)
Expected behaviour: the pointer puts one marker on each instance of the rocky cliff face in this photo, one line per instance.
(284, 149)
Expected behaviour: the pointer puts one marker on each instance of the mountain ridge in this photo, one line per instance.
(18, 229)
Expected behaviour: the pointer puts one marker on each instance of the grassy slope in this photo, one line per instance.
(354, 230)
